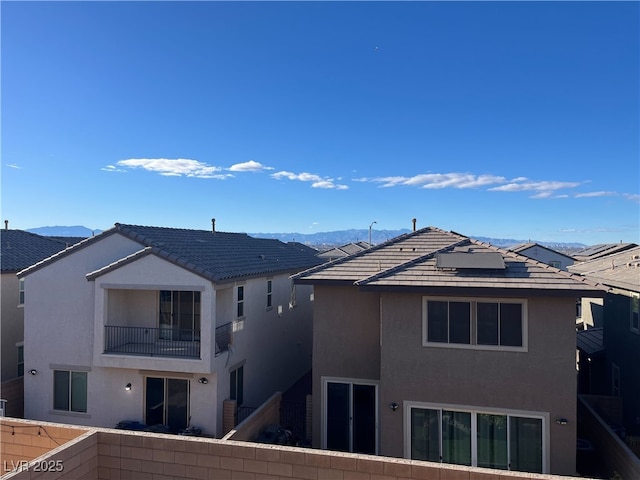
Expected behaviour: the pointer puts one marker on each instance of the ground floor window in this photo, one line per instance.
(70, 391)
(236, 385)
(167, 402)
(475, 438)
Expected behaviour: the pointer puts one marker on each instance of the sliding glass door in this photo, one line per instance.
(500, 441)
(167, 402)
(179, 315)
(351, 417)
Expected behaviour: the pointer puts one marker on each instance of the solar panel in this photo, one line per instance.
(487, 260)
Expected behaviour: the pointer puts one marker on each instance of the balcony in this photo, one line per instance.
(152, 342)
(224, 337)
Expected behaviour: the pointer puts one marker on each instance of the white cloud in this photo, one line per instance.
(250, 166)
(438, 180)
(112, 168)
(543, 189)
(316, 180)
(178, 167)
(634, 197)
(12, 165)
(595, 194)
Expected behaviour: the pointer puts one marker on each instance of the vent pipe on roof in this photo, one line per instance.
(213, 225)
(414, 224)
(6, 224)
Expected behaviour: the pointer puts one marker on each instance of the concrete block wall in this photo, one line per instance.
(33, 451)
(250, 428)
(24, 440)
(616, 456)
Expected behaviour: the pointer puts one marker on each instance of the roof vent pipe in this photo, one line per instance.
(213, 225)
(414, 224)
(6, 224)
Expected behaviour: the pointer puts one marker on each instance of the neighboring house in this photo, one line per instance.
(620, 373)
(601, 250)
(343, 251)
(544, 254)
(160, 325)
(434, 346)
(19, 250)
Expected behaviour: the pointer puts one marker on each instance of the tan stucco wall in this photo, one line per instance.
(346, 340)
(12, 325)
(542, 380)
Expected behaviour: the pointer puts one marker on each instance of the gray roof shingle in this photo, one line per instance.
(409, 262)
(217, 256)
(22, 249)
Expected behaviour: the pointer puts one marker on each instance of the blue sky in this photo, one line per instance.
(498, 119)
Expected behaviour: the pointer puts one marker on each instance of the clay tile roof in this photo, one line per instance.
(22, 249)
(410, 262)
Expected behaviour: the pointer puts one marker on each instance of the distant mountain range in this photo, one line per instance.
(320, 240)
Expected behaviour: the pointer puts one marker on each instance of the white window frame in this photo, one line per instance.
(86, 392)
(634, 307)
(350, 381)
(21, 292)
(240, 313)
(269, 294)
(473, 345)
(474, 411)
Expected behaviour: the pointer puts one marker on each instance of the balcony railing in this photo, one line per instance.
(224, 337)
(152, 342)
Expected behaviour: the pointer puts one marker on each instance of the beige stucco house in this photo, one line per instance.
(435, 346)
(158, 326)
(19, 249)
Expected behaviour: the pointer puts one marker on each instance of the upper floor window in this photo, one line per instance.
(480, 323)
(555, 264)
(269, 293)
(70, 391)
(240, 309)
(635, 313)
(21, 291)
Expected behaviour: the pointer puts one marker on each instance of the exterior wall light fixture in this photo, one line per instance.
(127, 387)
(203, 380)
(393, 406)
(562, 421)
(33, 371)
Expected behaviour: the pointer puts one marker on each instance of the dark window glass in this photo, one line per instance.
(459, 322)
(60, 390)
(511, 324)
(437, 324)
(487, 323)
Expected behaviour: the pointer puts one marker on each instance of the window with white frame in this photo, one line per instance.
(469, 436)
(269, 293)
(635, 313)
(481, 323)
(21, 291)
(240, 301)
(70, 391)
(20, 352)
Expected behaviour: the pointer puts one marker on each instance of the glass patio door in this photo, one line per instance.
(179, 315)
(167, 402)
(351, 417)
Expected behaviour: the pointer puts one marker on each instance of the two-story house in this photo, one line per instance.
(160, 325)
(19, 249)
(616, 369)
(438, 347)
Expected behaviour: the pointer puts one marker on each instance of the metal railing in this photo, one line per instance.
(152, 342)
(224, 337)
